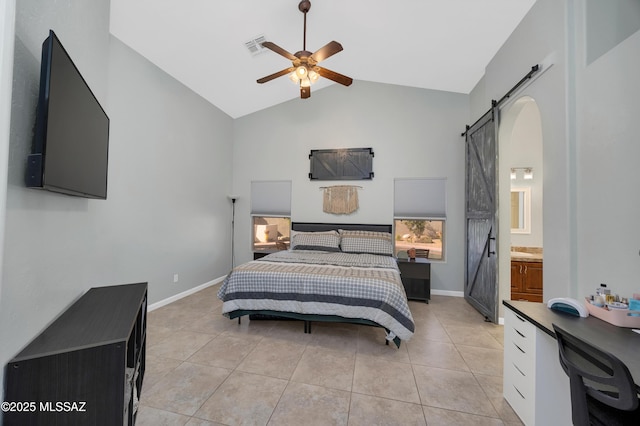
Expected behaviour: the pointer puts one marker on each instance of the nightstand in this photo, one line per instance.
(416, 278)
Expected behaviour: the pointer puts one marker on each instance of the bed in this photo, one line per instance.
(332, 272)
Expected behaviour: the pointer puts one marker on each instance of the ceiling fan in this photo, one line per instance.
(304, 67)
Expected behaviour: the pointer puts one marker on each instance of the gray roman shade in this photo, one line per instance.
(271, 198)
(420, 198)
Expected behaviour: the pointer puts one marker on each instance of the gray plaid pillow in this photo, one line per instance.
(325, 241)
(366, 242)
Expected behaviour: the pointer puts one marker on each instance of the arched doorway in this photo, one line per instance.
(521, 198)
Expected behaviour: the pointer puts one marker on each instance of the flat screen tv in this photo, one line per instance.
(71, 145)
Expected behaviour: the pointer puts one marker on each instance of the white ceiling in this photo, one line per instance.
(432, 44)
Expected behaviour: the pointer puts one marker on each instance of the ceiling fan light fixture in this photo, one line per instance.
(305, 82)
(303, 70)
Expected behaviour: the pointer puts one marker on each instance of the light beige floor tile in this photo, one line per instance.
(436, 354)
(309, 405)
(472, 336)
(371, 342)
(387, 379)
(451, 310)
(496, 330)
(342, 337)
(156, 368)
(180, 345)
(243, 399)
(199, 422)
(482, 360)
(185, 389)
(173, 316)
(431, 330)
(157, 333)
(366, 410)
(492, 386)
(273, 357)
(225, 350)
(204, 301)
(441, 417)
(149, 416)
(499, 338)
(452, 390)
(325, 367)
(319, 369)
(421, 311)
(207, 322)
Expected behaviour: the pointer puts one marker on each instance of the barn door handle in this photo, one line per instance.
(489, 252)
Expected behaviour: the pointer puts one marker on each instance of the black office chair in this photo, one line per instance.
(424, 253)
(602, 389)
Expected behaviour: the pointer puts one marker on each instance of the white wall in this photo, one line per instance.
(413, 133)
(7, 18)
(590, 149)
(169, 173)
(540, 35)
(608, 149)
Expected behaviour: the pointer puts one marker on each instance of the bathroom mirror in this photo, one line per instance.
(521, 210)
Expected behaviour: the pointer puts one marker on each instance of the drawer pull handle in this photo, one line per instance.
(519, 371)
(521, 319)
(521, 335)
(521, 395)
(519, 348)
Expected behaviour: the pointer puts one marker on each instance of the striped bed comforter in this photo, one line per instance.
(349, 285)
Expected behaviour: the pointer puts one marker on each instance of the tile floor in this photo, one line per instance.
(204, 369)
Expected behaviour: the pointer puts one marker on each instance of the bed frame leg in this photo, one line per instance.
(239, 322)
(386, 342)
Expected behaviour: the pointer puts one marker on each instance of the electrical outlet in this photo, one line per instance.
(175, 278)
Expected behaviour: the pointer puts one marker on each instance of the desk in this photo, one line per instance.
(549, 383)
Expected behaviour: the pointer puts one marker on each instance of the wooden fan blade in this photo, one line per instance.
(279, 50)
(332, 75)
(305, 92)
(326, 51)
(276, 75)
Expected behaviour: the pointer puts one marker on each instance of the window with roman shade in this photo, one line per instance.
(271, 215)
(419, 211)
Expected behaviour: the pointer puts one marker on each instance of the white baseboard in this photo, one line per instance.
(185, 293)
(447, 293)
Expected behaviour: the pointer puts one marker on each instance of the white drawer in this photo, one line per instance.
(519, 330)
(525, 362)
(521, 378)
(519, 365)
(521, 335)
(522, 404)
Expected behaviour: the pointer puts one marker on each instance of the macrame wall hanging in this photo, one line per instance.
(340, 199)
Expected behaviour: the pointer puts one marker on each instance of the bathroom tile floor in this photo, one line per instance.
(204, 369)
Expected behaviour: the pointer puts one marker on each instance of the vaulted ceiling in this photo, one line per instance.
(432, 44)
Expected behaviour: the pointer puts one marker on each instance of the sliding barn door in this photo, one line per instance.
(481, 275)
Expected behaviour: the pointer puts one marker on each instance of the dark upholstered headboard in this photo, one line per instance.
(315, 227)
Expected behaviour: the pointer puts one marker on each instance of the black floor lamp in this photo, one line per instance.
(233, 199)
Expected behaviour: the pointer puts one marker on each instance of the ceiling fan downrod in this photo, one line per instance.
(304, 7)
